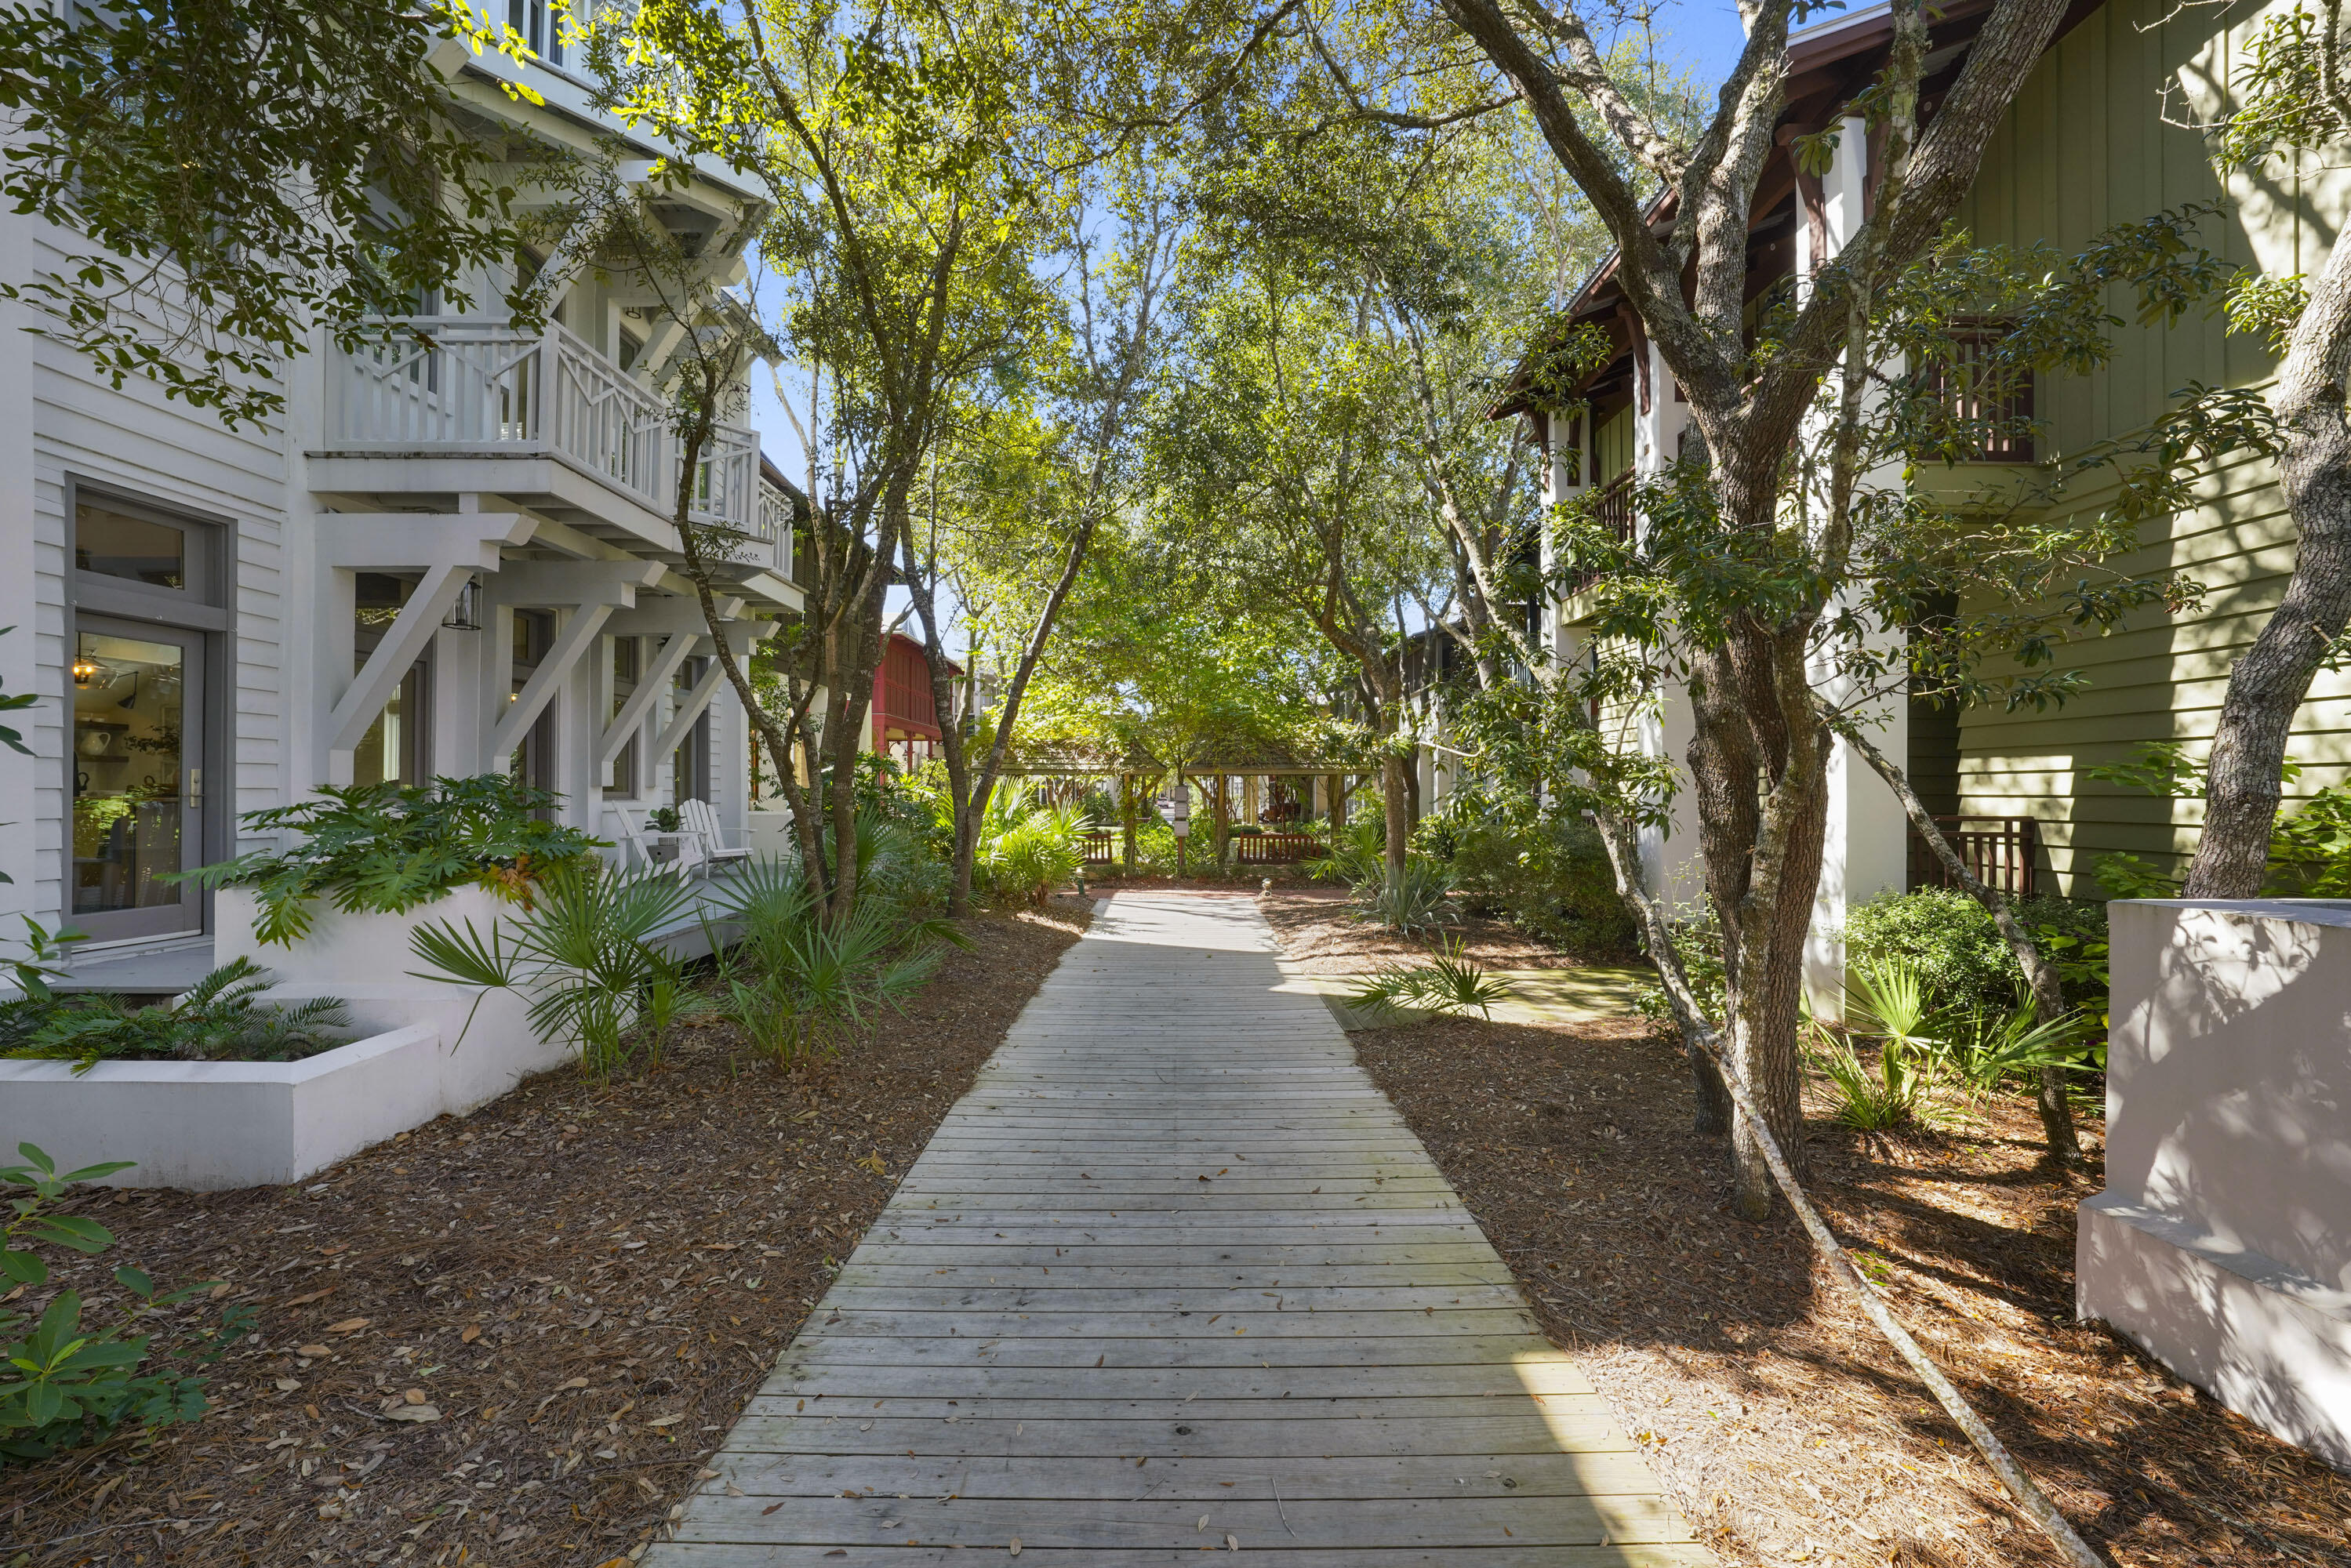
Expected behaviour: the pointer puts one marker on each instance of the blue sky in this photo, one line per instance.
(1702, 35)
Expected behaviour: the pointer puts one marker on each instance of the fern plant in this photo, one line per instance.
(388, 848)
(221, 1018)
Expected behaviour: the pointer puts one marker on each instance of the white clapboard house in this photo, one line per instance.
(445, 560)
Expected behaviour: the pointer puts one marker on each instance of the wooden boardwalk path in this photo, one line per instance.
(1176, 1277)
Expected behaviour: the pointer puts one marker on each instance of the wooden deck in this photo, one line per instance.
(1175, 1276)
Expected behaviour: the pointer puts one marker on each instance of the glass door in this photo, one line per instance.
(138, 780)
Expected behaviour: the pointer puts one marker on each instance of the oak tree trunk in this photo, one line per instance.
(2269, 683)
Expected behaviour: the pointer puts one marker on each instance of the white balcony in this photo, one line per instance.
(444, 389)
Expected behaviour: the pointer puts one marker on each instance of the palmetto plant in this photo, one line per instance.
(1026, 851)
(2014, 1044)
(1449, 983)
(1358, 849)
(796, 984)
(1886, 1003)
(585, 955)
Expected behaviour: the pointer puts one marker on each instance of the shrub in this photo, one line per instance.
(1155, 848)
(66, 1380)
(389, 848)
(1960, 957)
(220, 1019)
(2071, 935)
(1698, 937)
(1553, 881)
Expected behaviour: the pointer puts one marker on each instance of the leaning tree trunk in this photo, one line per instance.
(2268, 684)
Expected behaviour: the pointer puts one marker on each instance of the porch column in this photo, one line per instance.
(1568, 473)
(1866, 851)
(586, 594)
(449, 550)
(1670, 861)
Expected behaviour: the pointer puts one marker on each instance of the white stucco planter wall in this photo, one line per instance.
(2222, 1241)
(361, 949)
(211, 1125)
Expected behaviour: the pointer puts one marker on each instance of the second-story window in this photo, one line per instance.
(1991, 402)
(541, 27)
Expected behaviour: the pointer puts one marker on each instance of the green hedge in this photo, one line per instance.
(1553, 882)
(1959, 953)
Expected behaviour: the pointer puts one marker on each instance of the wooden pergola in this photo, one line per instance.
(1253, 768)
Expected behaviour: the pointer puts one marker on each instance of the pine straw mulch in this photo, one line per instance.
(581, 1285)
(1784, 1428)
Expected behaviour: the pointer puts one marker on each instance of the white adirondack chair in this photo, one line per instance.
(689, 847)
(700, 819)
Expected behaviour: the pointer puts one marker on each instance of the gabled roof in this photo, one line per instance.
(1829, 64)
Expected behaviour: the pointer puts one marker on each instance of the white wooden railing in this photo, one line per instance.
(774, 524)
(726, 480)
(451, 385)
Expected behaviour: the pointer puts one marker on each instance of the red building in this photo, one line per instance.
(905, 718)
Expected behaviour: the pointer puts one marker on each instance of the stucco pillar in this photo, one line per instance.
(1670, 861)
(1867, 845)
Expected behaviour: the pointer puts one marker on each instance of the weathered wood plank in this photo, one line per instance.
(729, 1554)
(1067, 1404)
(1268, 1351)
(1058, 1330)
(1081, 1272)
(1463, 1435)
(1038, 1294)
(1115, 1480)
(817, 1379)
(1175, 1524)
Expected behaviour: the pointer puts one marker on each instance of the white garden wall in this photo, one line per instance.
(367, 949)
(209, 1125)
(2222, 1241)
